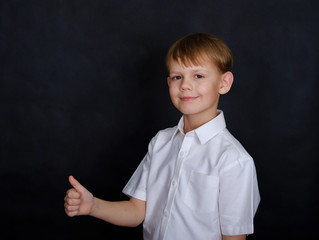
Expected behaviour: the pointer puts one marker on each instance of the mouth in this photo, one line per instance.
(188, 99)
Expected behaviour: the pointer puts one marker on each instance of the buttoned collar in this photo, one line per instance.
(207, 131)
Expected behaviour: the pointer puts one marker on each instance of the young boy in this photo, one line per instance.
(196, 182)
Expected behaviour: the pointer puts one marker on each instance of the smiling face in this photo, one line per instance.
(195, 89)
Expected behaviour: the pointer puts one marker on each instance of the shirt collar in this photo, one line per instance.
(206, 131)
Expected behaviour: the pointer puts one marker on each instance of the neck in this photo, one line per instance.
(192, 122)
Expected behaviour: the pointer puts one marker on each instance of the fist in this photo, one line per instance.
(78, 200)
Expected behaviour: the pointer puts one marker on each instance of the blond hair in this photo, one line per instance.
(194, 48)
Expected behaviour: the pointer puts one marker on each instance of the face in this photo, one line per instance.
(195, 90)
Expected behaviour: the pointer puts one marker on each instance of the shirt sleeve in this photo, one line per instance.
(239, 198)
(137, 185)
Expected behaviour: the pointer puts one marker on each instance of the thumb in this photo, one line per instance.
(78, 187)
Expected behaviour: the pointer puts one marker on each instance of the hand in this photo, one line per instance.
(78, 200)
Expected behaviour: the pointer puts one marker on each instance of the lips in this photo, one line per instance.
(188, 99)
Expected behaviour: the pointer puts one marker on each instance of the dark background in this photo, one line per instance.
(83, 90)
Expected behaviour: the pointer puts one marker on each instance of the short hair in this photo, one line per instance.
(194, 48)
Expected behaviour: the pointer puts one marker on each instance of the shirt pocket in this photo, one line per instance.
(202, 192)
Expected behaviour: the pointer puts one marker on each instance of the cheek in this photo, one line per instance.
(173, 91)
(171, 94)
(208, 89)
(204, 89)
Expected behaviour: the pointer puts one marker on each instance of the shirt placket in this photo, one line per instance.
(182, 154)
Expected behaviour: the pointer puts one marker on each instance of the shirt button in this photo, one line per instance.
(173, 183)
(182, 154)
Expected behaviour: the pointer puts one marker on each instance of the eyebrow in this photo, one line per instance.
(193, 71)
(194, 68)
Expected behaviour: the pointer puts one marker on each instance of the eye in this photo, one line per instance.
(177, 77)
(198, 76)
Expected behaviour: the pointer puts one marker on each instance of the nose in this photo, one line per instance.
(186, 84)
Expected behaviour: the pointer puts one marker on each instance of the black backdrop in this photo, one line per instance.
(83, 90)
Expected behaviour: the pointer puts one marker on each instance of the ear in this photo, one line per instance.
(168, 81)
(226, 82)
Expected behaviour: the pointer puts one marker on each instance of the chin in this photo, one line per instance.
(188, 112)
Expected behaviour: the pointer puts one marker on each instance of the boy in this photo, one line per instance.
(196, 182)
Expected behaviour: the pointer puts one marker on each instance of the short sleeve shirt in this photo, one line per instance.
(197, 185)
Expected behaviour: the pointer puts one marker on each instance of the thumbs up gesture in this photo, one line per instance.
(78, 200)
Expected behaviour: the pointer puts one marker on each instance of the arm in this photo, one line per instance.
(239, 237)
(125, 213)
(79, 201)
(238, 198)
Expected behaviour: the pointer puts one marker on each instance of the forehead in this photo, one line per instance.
(200, 63)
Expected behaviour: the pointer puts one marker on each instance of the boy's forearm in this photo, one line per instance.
(239, 237)
(124, 213)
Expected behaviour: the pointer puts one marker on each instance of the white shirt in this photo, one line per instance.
(197, 186)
